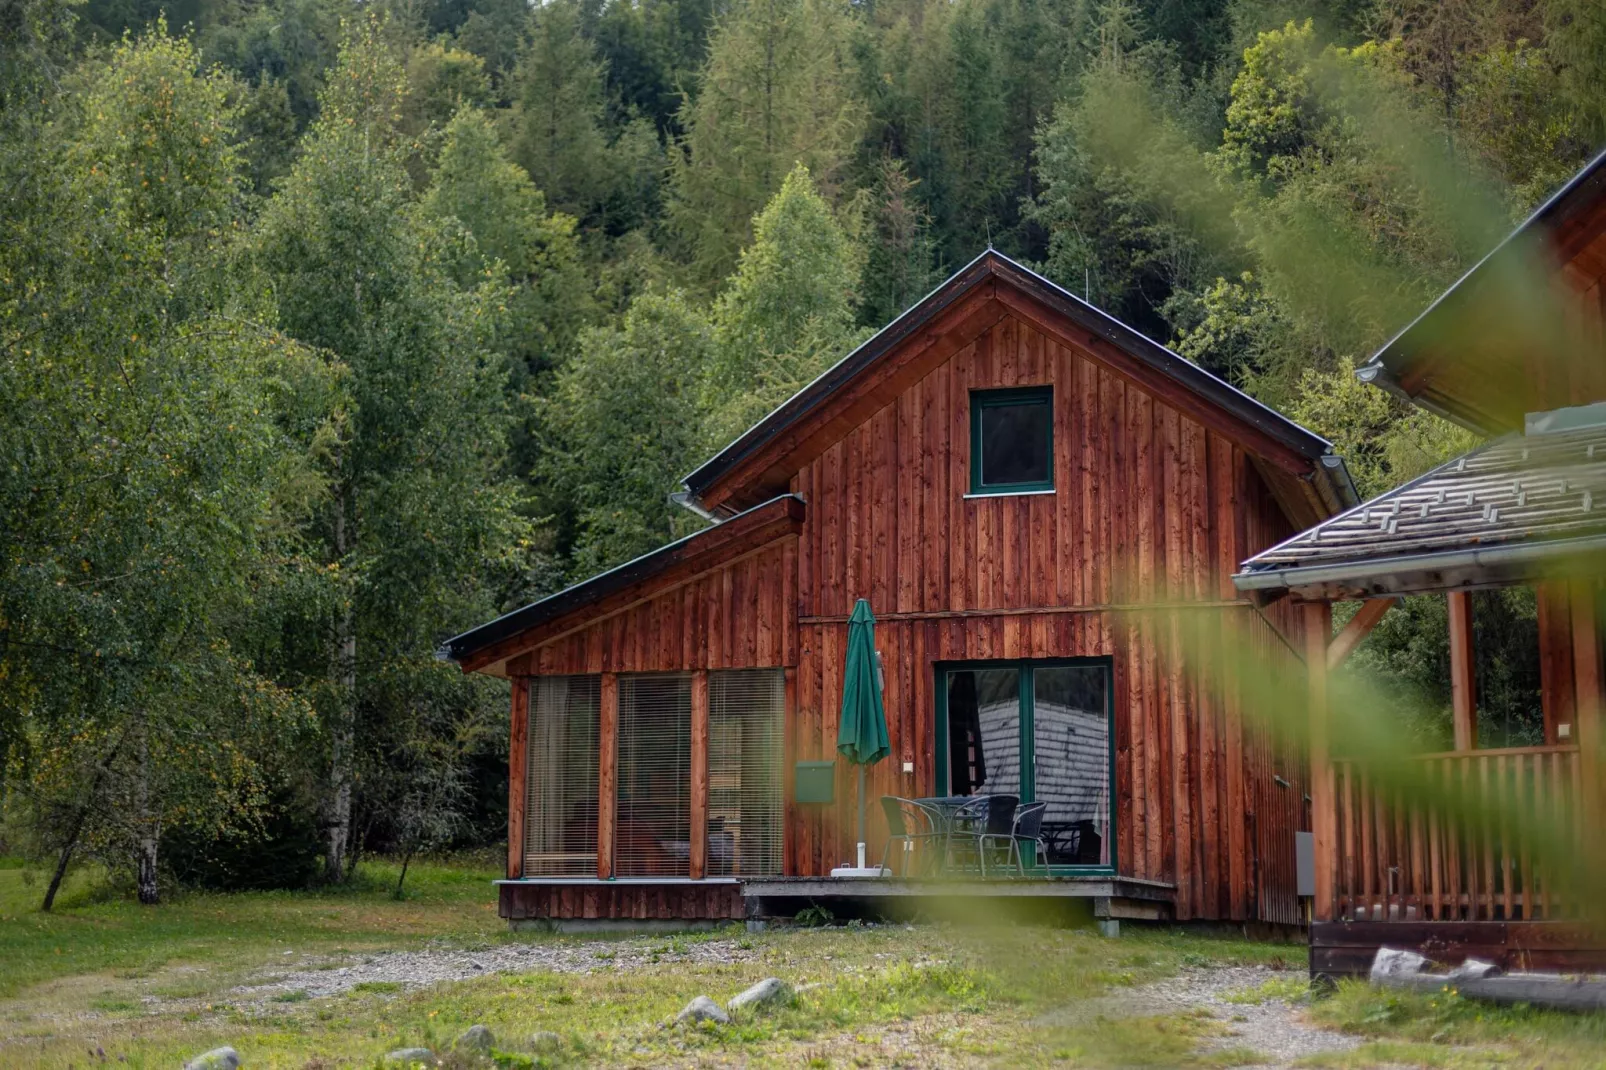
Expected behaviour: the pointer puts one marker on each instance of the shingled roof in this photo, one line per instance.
(1513, 510)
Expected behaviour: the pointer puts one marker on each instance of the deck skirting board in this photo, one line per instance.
(1346, 948)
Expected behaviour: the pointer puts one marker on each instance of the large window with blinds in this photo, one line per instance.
(745, 721)
(560, 814)
(653, 834)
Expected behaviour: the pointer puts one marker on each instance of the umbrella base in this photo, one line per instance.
(860, 871)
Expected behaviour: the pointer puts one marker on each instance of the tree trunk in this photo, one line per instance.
(147, 826)
(342, 726)
(79, 821)
(61, 863)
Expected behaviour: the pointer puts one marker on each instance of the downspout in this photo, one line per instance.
(684, 499)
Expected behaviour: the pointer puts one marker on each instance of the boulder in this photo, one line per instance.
(1390, 962)
(1473, 970)
(474, 1038)
(217, 1059)
(702, 1009)
(410, 1057)
(770, 992)
(546, 1042)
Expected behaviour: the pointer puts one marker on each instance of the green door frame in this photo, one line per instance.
(1028, 734)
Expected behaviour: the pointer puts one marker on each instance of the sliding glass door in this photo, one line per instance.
(1041, 731)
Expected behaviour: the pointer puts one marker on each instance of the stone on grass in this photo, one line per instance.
(1473, 970)
(474, 1038)
(702, 1009)
(770, 992)
(410, 1057)
(1391, 962)
(216, 1059)
(545, 1042)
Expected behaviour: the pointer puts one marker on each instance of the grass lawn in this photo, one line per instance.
(150, 987)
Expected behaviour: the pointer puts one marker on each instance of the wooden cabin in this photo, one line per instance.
(1032, 496)
(1516, 350)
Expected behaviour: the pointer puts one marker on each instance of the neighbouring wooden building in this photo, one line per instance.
(1516, 350)
(1032, 496)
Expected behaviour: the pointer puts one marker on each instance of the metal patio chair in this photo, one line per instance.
(1027, 828)
(914, 825)
(985, 817)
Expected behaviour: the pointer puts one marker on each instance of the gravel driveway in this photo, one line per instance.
(419, 969)
(1275, 1028)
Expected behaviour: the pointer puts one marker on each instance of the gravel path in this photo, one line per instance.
(1275, 1028)
(418, 969)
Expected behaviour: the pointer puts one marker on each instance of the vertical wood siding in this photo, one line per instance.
(737, 616)
(1149, 507)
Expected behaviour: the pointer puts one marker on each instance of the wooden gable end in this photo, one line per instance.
(1002, 292)
(1150, 502)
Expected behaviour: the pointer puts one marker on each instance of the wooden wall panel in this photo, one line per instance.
(1151, 508)
(738, 616)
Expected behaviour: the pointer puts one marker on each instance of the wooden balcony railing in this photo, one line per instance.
(1421, 863)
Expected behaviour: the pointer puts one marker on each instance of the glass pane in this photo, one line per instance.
(1014, 443)
(652, 837)
(984, 732)
(1072, 763)
(745, 745)
(560, 811)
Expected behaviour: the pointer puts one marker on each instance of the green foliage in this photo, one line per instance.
(557, 110)
(513, 239)
(777, 92)
(787, 313)
(623, 428)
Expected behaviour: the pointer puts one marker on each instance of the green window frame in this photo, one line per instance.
(1028, 736)
(1012, 397)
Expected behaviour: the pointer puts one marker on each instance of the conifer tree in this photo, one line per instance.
(556, 119)
(786, 314)
(623, 424)
(777, 91)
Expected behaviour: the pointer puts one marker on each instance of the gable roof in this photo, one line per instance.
(485, 647)
(762, 460)
(1456, 358)
(1510, 511)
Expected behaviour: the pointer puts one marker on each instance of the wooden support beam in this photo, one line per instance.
(1355, 632)
(1589, 676)
(1463, 671)
(607, 773)
(699, 774)
(1323, 797)
(518, 754)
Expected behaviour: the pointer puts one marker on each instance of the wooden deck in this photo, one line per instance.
(721, 899)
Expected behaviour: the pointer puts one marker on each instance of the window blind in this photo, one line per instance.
(653, 835)
(745, 810)
(560, 813)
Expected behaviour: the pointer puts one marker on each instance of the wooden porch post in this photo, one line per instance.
(1588, 674)
(518, 754)
(607, 773)
(1318, 629)
(699, 774)
(1463, 671)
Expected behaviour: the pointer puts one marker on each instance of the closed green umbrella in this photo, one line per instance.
(862, 733)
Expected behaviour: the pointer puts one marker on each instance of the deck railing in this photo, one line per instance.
(1398, 862)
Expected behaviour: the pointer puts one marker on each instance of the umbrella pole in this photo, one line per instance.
(861, 817)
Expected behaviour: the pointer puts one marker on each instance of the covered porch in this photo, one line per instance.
(1440, 851)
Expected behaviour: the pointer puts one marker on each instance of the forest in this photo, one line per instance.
(328, 330)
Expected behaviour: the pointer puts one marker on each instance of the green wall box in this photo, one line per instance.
(815, 782)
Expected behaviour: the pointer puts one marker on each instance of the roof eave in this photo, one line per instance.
(1493, 566)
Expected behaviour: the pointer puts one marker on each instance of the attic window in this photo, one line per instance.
(1012, 440)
